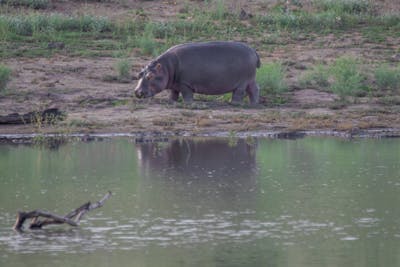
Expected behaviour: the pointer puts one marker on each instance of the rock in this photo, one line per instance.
(395, 58)
(243, 15)
(56, 45)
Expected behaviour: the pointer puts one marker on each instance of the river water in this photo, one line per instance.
(206, 202)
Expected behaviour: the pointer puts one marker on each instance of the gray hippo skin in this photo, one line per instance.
(211, 68)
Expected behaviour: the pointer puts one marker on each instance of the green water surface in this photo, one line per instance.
(206, 202)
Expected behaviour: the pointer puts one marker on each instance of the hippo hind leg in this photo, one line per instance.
(253, 91)
(173, 96)
(238, 95)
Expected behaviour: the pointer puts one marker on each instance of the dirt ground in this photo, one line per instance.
(76, 85)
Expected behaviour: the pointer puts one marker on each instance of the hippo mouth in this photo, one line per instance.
(139, 93)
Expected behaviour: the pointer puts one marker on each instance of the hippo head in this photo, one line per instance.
(152, 80)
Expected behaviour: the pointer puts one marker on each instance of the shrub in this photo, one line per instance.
(270, 78)
(347, 77)
(147, 42)
(123, 68)
(387, 78)
(218, 9)
(5, 73)
(16, 25)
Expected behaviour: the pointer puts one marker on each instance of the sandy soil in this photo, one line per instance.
(77, 86)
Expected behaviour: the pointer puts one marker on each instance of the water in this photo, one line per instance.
(206, 202)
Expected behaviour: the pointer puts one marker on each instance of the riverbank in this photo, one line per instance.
(89, 72)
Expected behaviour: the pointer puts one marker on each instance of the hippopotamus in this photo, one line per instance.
(209, 68)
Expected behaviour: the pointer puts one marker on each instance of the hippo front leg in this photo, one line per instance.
(187, 94)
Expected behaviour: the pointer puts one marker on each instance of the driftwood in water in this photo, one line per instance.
(71, 218)
(32, 117)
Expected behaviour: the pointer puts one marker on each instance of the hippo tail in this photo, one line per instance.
(258, 60)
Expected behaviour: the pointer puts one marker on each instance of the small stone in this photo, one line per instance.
(395, 58)
(244, 15)
(56, 45)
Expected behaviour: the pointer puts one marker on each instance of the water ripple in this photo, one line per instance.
(130, 233)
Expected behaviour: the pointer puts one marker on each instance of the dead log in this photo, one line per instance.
(48, 115)
(72, 218)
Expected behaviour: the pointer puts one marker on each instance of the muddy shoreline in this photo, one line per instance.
(145, 137)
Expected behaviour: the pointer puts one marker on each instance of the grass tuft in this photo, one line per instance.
(5, 73)
(123, 68)
(270, 79)
(146, 41)
(387, 78)
(343, 77)
(347, 77)
(218, 10)
(340, 7)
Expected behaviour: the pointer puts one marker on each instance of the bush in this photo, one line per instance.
(387, 78)
(5, 73)
(347, 77)
(270, 78)
(16, 25)
(218, 9)
(123, 68)
(147, 42)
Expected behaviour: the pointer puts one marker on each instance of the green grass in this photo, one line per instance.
(14, 26)
(387, 78)
(347, 77)
(5, 74)
(344, 77)
(330, 16)
(218, 9)
(270, 79)
(345, 6)
(29, 35)
(146, 42)
(86, 35)
(35, 4)
(123, 68)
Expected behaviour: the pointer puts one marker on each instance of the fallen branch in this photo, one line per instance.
(47, 115)
(51, 218)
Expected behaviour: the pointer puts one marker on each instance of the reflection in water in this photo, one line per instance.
(201, 172)
(200, 158)
(308, 202)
